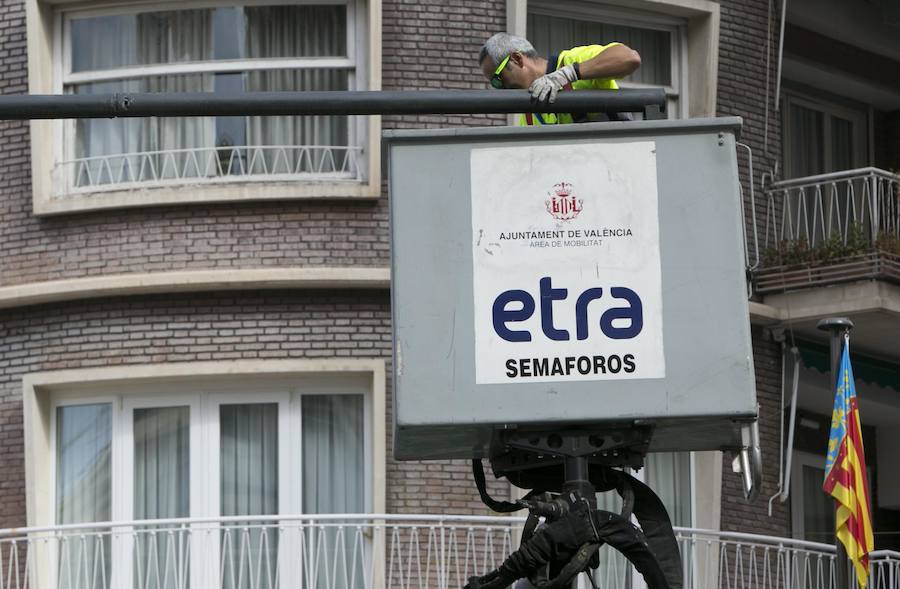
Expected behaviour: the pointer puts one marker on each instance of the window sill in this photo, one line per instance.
(202, 193)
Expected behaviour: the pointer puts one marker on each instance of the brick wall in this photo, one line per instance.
(748, 43)
(434, 45)
(190, 237)
(211, 326)
(737, 513)
(748, 35)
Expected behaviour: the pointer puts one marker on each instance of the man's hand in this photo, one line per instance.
(545, 88)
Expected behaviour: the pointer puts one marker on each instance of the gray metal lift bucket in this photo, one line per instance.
(559, 276)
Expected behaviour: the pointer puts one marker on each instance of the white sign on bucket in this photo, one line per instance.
(566, 263)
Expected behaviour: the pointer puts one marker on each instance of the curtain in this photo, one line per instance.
(103, 137)
(150, 38)
(810, 154)
(669, 475)
(143, 39)
(249, 486)
(161, 463)
(614, 570)
(333, 463)
(807, 138)
(171, 37)
(552, 34)
(103, 42)
(841, 144)
(287, 144)
(333, 482)
(818, 508)
(297, 31)
(161, 490)
(83, 492)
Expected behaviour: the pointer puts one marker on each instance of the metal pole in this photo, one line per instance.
(578, 480)
(838, 327)
(71, 106)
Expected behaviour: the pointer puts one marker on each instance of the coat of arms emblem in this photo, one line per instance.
(563, 205)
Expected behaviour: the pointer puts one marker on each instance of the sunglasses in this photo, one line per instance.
(496, 80)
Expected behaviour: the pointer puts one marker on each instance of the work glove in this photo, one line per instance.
(545, 88)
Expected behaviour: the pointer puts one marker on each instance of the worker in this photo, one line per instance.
(508, 61)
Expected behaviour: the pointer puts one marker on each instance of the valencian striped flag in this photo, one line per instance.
(845, 473)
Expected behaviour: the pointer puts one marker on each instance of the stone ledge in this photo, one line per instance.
(130, 284)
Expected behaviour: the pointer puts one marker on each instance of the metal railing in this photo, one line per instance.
(836, 208)
(370, 551)
(149, 169)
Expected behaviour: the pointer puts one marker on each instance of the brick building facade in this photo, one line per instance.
(306, 278)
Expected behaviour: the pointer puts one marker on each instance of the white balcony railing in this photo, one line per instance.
(370, 551)
(834, 209)
(207, 165)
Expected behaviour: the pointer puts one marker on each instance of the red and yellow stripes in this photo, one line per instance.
(847, 483)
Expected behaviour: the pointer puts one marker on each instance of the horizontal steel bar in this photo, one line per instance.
(698, 535)
(96, 106)
(857, 173)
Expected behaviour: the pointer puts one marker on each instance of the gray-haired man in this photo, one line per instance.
(508, 61)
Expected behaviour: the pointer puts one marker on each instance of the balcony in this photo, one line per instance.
(831, 228)
(205, 165)
(369, 551)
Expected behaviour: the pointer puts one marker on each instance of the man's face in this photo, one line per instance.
(512, 75)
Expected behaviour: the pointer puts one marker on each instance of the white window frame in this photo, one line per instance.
(205, 456)
(125, 483)
(699, 43)
(66, 147)
(859, 118)
(676, 90)
(74, 400)
(46, 26)
(44, 393)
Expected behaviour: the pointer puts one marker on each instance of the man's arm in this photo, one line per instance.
(613, 62)
(617, 61)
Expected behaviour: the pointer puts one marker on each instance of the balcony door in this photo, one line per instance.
(821, 136)
(670, 475)
(230, 459)
(659, 38)
(812, 511)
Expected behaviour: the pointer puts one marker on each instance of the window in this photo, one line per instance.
(250, 45)
(83, 483)
(225, 49)
(822, 137)
(670, 476)
(812, 510)
(221, 453)
(658, 38)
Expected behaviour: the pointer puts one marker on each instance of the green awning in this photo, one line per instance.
(866, 369)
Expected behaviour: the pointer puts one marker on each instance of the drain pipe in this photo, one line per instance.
(784, 473)
(780, 433)
(780, 54)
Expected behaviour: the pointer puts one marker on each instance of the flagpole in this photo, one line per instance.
(838, 327)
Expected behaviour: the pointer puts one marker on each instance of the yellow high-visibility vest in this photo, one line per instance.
(574, 55)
